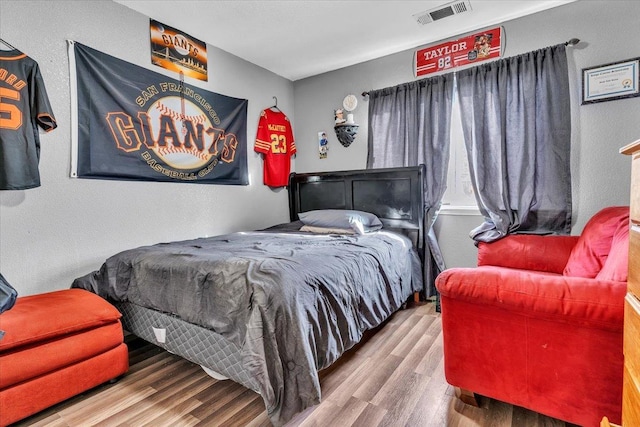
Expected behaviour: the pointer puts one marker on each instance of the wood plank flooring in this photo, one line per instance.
(394, 377)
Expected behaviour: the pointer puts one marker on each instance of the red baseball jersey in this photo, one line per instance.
(24, 106)
(275, 140)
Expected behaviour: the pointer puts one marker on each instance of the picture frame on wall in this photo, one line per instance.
(612, 81)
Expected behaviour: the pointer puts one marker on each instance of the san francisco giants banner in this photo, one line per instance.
(135, 124)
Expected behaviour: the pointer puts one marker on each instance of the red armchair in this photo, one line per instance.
(539, 322)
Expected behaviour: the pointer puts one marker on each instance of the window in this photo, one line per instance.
(459, 195)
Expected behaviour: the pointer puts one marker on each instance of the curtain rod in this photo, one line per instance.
(571, 42)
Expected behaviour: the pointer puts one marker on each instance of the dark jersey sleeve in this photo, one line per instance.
(41, 107)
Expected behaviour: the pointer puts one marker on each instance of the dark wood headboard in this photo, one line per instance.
(395, 195)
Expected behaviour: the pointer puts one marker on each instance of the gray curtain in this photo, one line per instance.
(516, 121)
(409, 125)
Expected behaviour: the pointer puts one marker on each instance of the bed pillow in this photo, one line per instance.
(594, 244)
(358, 221)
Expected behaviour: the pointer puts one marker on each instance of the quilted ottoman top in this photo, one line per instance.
(41, 317)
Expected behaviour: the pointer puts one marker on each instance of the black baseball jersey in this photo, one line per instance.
(24, 106)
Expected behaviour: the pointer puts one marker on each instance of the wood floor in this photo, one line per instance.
(394, 377)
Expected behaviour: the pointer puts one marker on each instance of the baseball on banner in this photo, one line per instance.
(167, 113)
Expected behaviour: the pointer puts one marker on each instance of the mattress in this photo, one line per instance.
(195, 343)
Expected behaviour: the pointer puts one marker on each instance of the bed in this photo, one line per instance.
(270, 308)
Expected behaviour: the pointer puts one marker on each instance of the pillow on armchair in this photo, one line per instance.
(616, 267)
(591, 252)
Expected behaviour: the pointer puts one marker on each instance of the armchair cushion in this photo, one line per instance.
(592, 249)
(528, 252)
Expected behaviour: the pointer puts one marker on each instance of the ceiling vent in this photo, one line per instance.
(443, 11)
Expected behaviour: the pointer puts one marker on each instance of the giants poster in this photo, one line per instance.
(135, 124)
(177, 51)
(467, 50)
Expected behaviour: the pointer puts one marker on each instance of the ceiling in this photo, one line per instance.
(302, 38)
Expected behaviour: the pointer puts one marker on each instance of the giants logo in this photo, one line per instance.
(177, 132)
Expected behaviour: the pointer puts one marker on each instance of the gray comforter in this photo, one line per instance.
(293, 301)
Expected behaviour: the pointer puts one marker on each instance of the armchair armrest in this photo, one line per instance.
(578, 300)
(528, 252)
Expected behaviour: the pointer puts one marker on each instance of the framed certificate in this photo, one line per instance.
(611, 81)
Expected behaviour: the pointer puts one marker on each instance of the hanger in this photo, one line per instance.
(7, 44)
(275, 106)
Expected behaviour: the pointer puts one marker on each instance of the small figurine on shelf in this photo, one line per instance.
(339, 116)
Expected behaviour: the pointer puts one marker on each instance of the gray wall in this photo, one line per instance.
(608, 30)
(67, 227)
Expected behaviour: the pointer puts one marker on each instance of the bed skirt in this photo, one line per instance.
(192, 342)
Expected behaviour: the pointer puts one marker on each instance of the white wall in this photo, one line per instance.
(67, 227)
(608, 30)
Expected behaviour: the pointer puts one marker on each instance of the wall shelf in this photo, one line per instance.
(346, 133)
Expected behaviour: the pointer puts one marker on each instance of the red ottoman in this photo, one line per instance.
(56, 345)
